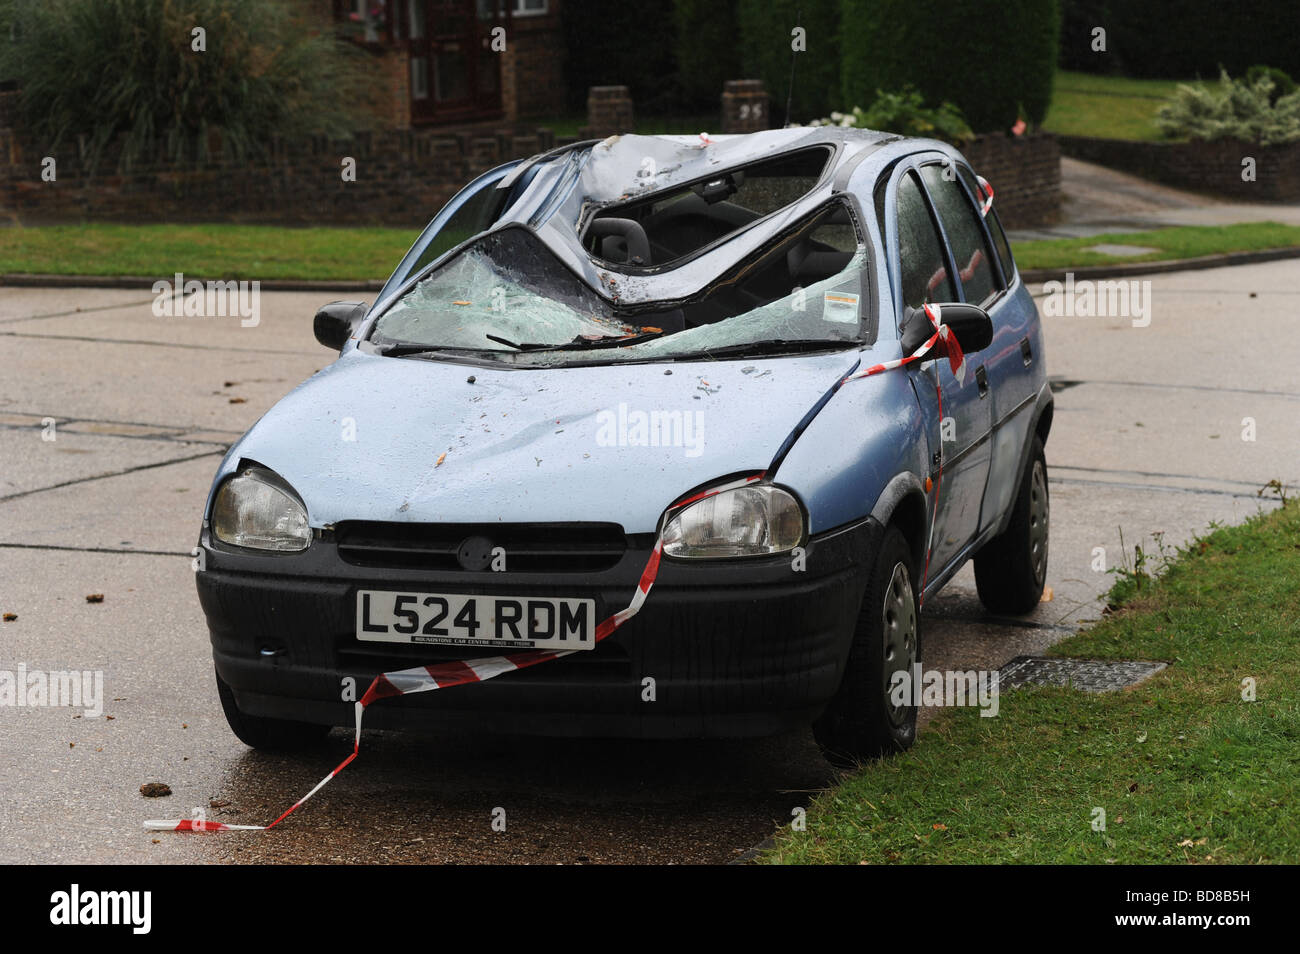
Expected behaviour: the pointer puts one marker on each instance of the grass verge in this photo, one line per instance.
(204, 251)
(1186, 770)
(1183, 241)
(264, 251)
(1109, 107)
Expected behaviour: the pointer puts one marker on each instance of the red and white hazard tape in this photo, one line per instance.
(988, 195)
(406, 682)
(956, 360)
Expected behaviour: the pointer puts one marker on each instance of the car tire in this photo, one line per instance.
(1011, 568)
(271, 735)
(861, 722)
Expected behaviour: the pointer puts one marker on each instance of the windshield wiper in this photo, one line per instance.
(774, 346)
(581, 343)
(405, 349)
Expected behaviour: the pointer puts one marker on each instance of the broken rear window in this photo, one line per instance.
(509, 297)
(670, 225)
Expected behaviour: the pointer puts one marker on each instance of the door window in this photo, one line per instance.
(975, 264)
(925, 276)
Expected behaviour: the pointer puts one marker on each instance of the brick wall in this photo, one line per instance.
(1205, 166)
(746, 107)
(609, 112)
(402, 178)
(1025, 173)
(391, 92)
(532, 70)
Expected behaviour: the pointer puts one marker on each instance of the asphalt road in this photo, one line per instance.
(1147, 439)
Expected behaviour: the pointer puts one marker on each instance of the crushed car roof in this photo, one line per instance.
(574, 188)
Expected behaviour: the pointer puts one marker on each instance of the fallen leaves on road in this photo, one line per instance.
(1047, 595)
(94, 597)
(239, 400)
(155, 790)
(10, 617)
(441, 459)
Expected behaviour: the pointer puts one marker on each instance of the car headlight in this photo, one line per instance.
(745, 521)
(256, 509)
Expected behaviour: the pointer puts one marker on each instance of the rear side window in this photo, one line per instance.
(994, 226)
(973, 258)
(925, 275)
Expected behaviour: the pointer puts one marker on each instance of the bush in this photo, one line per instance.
(906, 114)
(765, 38)
(995, 59)
(1236, 109)
(1283, 84)
(124, 71)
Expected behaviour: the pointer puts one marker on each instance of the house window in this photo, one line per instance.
(419, 77)
(528, 8)
(371, 16)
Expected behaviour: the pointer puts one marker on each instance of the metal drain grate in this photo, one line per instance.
(1089, 675)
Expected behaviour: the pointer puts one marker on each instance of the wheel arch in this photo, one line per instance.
(903, 504)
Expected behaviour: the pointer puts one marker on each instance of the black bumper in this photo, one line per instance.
(735, 648)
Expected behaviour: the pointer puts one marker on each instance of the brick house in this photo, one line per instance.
(460, 61)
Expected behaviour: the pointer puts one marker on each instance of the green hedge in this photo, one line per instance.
(1182, 39)
(994, 59)
(707, 51)
(765, 39)
(620, 44)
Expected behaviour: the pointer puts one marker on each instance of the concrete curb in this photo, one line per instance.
(25, 280)
(1029, 276)
(1032, 276)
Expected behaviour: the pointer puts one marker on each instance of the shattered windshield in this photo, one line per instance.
(508, 296)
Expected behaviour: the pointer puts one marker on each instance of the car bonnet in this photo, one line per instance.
(372, 438)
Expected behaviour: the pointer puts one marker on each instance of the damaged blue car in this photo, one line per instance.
(533, 417)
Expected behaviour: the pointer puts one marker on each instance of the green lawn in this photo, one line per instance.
(263, 252)
(1110, 107)
(1184, 241)
(204, 251)
(1185, 769)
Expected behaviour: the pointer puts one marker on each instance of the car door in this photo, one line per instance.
(1010, 358)
(957, 417)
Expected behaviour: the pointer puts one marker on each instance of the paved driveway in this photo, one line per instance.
(1147, 438)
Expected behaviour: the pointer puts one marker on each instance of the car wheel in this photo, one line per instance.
(1012, 567)
(862, 722)
(275, 735)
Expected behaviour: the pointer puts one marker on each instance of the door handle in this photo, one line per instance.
(982, 379)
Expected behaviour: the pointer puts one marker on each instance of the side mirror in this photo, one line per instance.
(970, 323)
(335, 322)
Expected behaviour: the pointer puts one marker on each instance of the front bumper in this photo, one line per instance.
(735, 648)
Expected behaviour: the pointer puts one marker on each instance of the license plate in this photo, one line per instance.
(450, 619)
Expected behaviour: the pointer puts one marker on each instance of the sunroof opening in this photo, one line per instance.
(668, 226)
